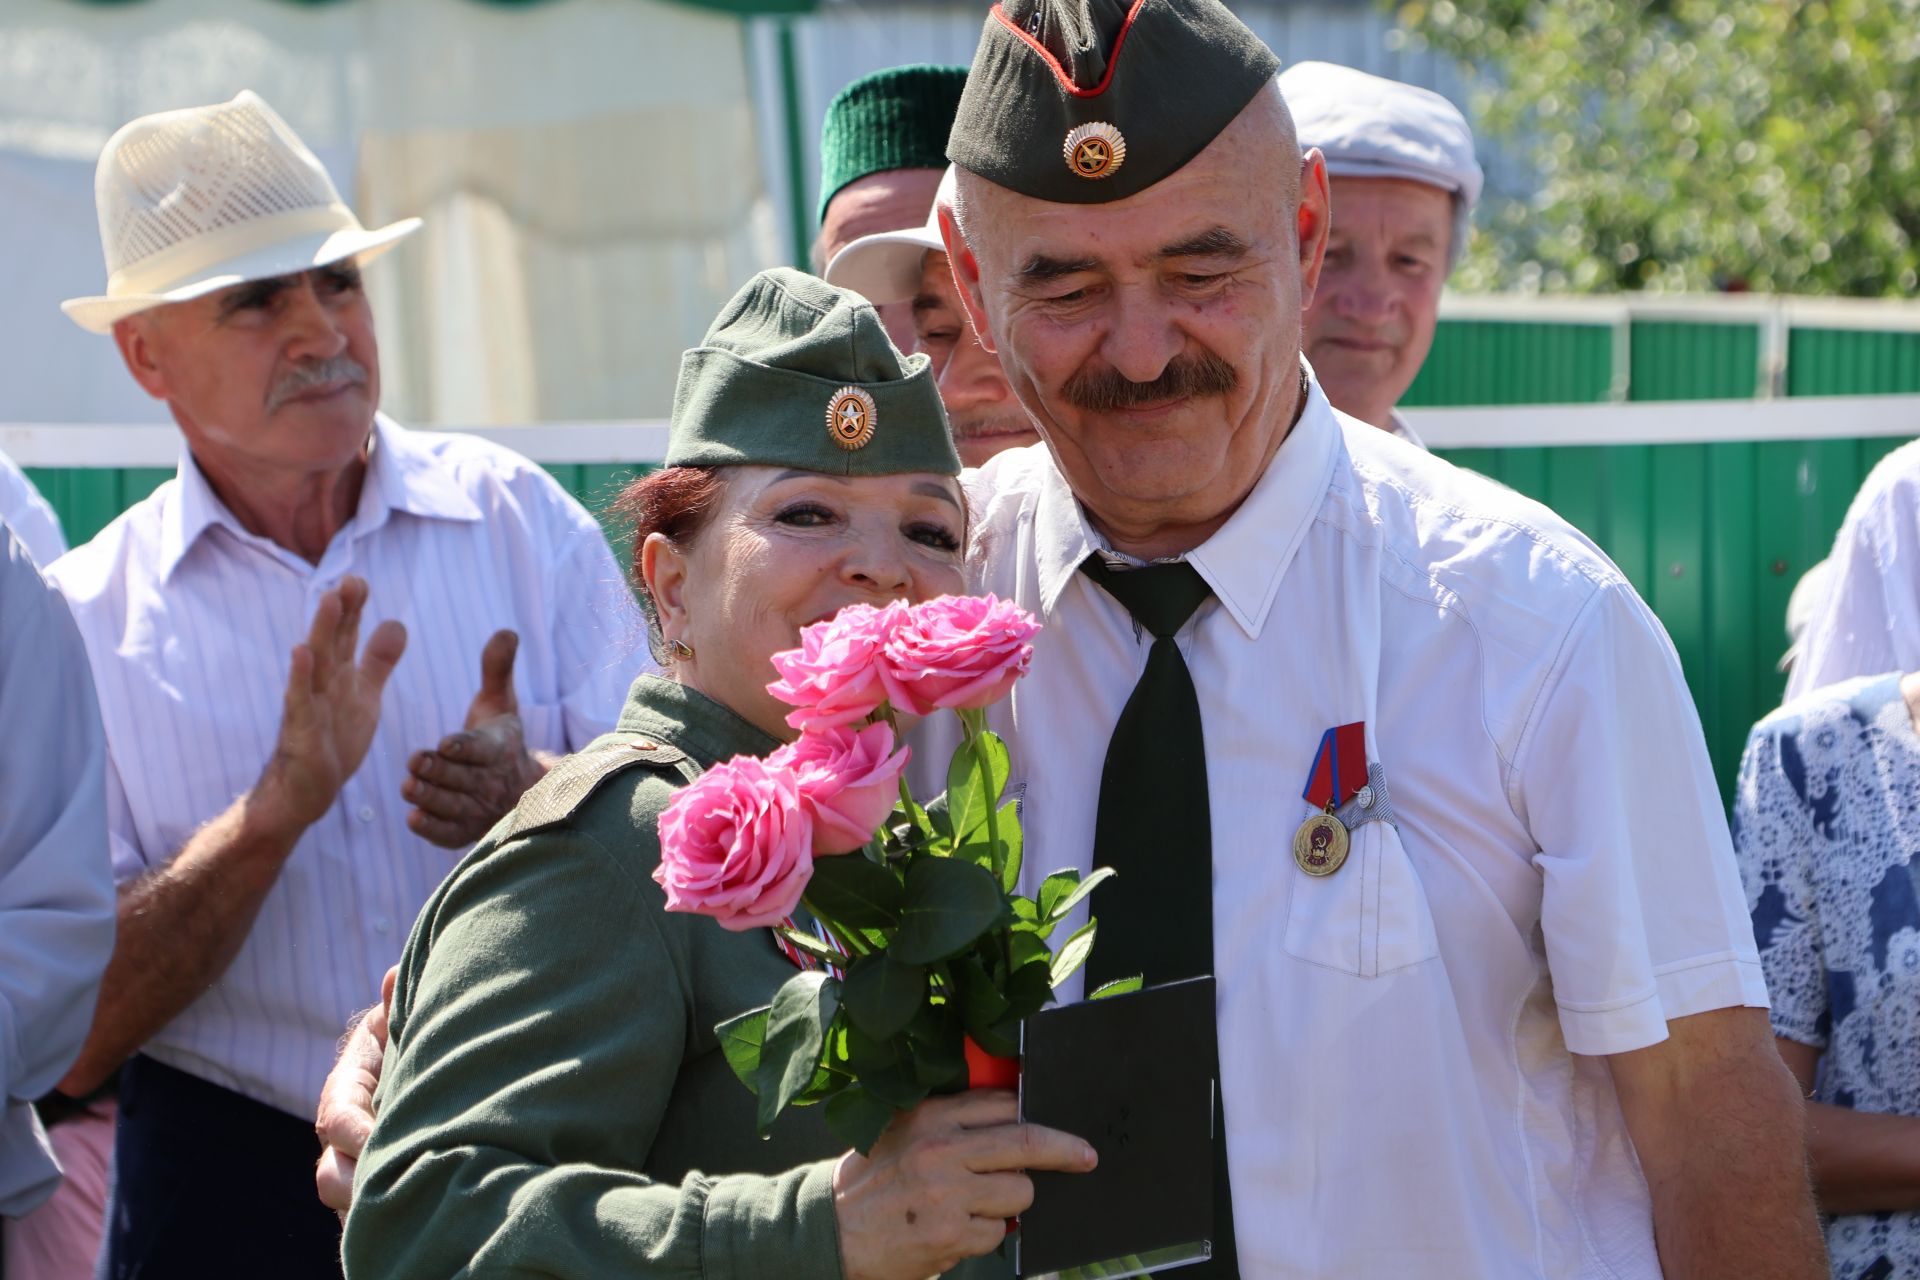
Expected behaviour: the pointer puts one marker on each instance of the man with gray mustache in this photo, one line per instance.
(284, 791)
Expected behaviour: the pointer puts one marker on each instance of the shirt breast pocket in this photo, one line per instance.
(1369, 918)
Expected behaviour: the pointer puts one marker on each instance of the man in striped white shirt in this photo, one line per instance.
(282, 791)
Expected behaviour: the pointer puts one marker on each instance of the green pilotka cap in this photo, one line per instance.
(797, 373)
(893, 119)
(1090, 101)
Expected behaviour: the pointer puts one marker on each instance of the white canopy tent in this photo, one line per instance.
(591, 174)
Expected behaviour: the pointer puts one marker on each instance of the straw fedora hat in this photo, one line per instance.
(196, 200)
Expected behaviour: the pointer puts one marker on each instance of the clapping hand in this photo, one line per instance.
(472, 778)
(331, 709)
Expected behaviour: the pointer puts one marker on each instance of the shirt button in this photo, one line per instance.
(382, 925)
(366, 813)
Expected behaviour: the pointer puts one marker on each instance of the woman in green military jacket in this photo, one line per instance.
(554, 1101)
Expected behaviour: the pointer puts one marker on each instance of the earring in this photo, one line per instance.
(680, 649)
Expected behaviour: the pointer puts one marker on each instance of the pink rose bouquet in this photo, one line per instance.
(916, 954)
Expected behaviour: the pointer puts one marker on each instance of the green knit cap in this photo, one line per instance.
(797, 373)
(1090, 101)
(893, 119)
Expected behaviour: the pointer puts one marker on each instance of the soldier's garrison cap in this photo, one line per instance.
(796, 373)
(1090, 101)
(893, 119)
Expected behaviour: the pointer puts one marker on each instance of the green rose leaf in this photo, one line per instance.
(948, 905)
(1011, 842)
(851, 890)
(1057, 912)
(864, 1053)
(896, 1086)
(1073, 953)
(1030, 988)
(1055, 888)
(740, 1039)
(858, 1118)
(976, 778)
(981, 1002)
(940, 820)
(1118, 987)
(796, 1033)
(881, 994)
(1028, 945)
(941, 1063)
(1002, 1039)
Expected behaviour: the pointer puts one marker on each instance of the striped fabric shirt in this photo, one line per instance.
(189, 622)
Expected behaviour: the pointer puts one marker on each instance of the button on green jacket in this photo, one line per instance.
(554, 1102)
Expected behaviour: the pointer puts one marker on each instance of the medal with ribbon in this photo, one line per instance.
(1339, 774)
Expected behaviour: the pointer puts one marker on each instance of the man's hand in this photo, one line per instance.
(466, 784)
(331, 708)
(1718, 1124)
(345, 1118)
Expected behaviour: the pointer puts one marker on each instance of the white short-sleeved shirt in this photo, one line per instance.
(189, 621)
(33, 522)
(1407, 1045)
(1869, 621)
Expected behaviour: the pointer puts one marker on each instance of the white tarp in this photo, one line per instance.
(590, 172)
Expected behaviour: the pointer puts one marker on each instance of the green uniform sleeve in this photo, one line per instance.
(541, 1021)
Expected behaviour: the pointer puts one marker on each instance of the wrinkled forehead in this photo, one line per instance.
(1243, 186)
(1034, 238)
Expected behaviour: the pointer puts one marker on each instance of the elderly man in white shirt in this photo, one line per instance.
(56, 888)
(1403, 177)
(282, 792)
(1865, 618)
(1488, 1001)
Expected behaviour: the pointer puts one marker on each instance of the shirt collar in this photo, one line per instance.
(686, 718)
(402, 475)
(1399, 426)
(1246, 557)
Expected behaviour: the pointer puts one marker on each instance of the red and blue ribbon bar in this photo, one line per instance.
(1340, 767)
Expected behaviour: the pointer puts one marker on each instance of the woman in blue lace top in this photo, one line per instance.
(1827, 825)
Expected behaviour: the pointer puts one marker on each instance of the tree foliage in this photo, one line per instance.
(1693, 144)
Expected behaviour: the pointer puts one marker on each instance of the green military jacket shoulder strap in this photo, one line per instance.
(572, 783)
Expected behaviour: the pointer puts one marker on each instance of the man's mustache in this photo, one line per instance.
(342, 367)
(1104, 390)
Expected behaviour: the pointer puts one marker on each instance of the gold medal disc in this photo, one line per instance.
(1320, 845)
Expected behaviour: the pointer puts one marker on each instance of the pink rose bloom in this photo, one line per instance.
(736, 844)
(848, 782)
(833, 677)
(957, 652)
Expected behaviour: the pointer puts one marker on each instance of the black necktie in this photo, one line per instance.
(1154, 827)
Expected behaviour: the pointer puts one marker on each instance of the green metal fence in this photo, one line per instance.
(1714, 536)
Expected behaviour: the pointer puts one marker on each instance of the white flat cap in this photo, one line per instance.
(1371, 127)
(884, 267)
